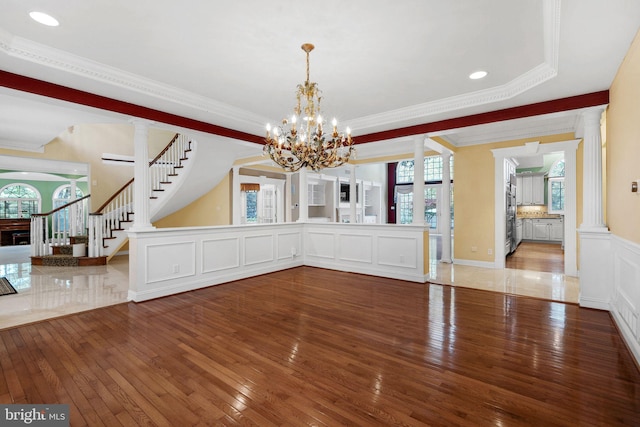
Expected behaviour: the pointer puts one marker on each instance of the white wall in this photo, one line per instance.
(172, 260)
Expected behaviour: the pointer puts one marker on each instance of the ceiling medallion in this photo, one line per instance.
(302, 142)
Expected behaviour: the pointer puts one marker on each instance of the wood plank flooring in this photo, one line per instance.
(537, 256)
(315, 347)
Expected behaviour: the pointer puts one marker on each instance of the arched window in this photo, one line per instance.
(555, 189)
(19, 201)
(557, 169)
(62, 195)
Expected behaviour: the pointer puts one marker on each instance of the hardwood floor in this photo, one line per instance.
(308, 346)
(537, 256)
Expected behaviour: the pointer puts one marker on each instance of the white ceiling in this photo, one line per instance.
(381, 64)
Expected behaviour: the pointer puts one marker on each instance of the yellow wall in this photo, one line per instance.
(623, 148)
(87, 143)
(213, 208)
(474, 197)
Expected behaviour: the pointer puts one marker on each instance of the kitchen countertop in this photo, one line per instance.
(540, 216)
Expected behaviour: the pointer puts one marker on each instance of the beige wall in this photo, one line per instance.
(213, 208)
(623, 148)
(474, 194)
(87, 143)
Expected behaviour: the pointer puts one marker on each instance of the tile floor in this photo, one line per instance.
(45, 291)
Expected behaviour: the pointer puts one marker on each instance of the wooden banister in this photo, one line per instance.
(113, 196)
(62, 207)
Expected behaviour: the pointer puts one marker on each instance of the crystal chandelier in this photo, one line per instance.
(302, 142)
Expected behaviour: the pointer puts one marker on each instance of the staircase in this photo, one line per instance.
(70, 236)
(73, 254)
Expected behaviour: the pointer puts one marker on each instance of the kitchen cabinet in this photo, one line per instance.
(530, 189)
(519, 231)
(551, 229)
(540, 230)
(527, 228)
(556, 230)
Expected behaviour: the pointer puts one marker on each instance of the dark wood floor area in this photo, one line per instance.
(537, 256)
(316, 347)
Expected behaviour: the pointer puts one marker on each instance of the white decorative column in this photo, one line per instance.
(236, 196)
(595, 238)
(303, 196)
(141, 218)
(287, 198)
(353, 197)
(445, 208)
(418, 180)
(73, 212)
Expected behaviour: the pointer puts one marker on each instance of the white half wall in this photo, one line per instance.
(625, 291)
(168, 261)
(385, 250)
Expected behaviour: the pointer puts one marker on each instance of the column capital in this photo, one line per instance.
(137, 121)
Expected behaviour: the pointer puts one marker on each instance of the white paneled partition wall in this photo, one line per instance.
(173, 260)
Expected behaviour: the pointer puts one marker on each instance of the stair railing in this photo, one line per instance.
(54, 228)
(119, 208)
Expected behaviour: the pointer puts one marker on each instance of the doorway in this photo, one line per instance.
(568, 148)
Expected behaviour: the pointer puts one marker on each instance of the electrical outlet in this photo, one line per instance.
(474, 249)
(489, 251)
(176, 268)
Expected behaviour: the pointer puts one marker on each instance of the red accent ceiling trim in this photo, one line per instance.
(547, 107)
(39, 87)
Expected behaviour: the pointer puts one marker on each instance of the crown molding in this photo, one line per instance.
(46, 56)
(532, 78)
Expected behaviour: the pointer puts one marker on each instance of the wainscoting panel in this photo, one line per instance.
(220, 254)
(397, 251)
(289, 245)
(364, 243)
(258, 249)
(173, 260)
(625, 298)
(385, 250)
(320, 244)
(170, 261)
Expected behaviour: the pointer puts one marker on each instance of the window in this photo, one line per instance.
(432, 170)
(62, 196)
(251, 206)
(433, 181)
(19, 201)
(259, 203)
(555, 189)
(404, 172)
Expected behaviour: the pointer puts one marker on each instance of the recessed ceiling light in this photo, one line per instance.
(477, 75)
(44, 19)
